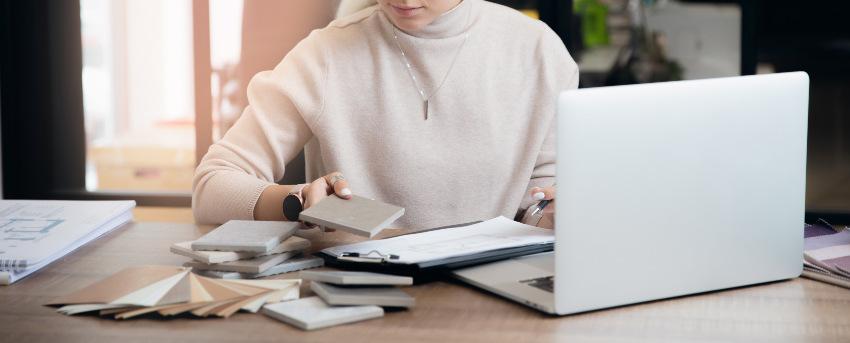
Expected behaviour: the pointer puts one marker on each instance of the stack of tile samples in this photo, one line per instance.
(826, 255)
(169, 291)
(343, 297)
(242, 249)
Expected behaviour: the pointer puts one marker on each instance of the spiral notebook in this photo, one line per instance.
(34, 233)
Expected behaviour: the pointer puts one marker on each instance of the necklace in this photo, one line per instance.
(426, 99)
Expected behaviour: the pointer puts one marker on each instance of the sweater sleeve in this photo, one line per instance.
(560, 73)
(275, 126)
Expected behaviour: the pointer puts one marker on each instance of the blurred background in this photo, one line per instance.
(121, 98)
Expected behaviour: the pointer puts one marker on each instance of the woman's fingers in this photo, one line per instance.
(547, 221)
(538, 193)
(338, 185)
(315, 192)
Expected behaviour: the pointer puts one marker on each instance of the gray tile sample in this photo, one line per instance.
(358, 215)
(287, 266)
(356, 278)
(379, 296)
(185, 249)
(246, 235)
(253, 266)
(313, 313)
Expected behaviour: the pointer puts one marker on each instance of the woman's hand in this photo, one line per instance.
(331, 184)
(323, 187)
(547, 193)
(270, 204)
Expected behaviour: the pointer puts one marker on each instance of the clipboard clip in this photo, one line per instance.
(373, 256)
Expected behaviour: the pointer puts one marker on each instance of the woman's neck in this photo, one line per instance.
(451, 23)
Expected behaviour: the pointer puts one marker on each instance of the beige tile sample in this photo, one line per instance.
(380, 296)
(358, 215)
(313, 313)
(338, 277)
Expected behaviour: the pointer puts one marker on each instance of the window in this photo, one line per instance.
(162, 79)
(137, 84)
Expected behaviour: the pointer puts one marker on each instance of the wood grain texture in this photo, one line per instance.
(799, 310)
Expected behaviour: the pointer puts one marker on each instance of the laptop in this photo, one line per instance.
(668, 189)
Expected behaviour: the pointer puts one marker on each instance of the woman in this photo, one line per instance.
(444, 107)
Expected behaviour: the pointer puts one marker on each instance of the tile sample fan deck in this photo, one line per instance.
(169, 291)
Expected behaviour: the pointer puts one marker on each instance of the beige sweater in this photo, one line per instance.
(345, 93)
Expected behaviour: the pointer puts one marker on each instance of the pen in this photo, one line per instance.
(540, 206)
(535, 212)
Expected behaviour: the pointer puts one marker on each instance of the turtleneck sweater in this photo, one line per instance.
(345, 95)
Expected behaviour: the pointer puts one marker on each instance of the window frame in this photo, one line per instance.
(44, 156)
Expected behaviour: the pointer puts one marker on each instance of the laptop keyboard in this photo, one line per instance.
(546, 283)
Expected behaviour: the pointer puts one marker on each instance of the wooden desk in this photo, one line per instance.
(799, 310)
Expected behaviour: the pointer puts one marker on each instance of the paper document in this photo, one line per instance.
(34, 233)
(496, 233)
(826, 255)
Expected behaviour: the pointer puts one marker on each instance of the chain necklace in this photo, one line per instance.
(426, 99)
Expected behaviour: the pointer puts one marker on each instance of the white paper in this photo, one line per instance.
(36, 232)
(496, 233)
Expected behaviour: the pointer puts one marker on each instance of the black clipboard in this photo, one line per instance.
(429, 270)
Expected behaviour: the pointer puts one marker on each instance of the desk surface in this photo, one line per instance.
(792, 311)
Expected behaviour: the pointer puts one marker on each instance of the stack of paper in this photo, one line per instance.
(827, 254)
(34, 233)
(248, 249)
(170, 291)
(431, 247)
(343, 297)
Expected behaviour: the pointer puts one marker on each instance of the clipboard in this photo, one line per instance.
(389, 263)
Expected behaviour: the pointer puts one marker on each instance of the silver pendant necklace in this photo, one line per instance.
(426, 99)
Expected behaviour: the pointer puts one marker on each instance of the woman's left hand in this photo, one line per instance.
(546, 193)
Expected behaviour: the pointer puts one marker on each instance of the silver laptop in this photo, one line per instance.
(668, 189)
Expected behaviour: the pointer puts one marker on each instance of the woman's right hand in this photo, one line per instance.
(323, 187)
(331, 184)
(269, 205)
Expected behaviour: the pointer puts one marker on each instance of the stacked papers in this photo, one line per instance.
(169, 291)
(432, 247)
(242, 249)
(826, 255)
(37, 232)
(343, 297)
